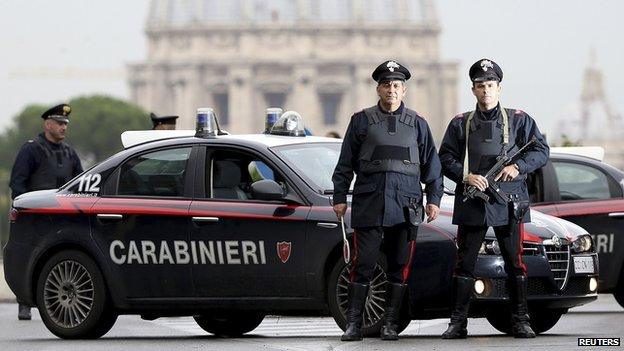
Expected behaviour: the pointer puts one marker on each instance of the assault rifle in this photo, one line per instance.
(502, 160)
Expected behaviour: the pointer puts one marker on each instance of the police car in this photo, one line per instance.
(230, 228)
(577, 186)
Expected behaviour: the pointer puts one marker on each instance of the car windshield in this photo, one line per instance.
(314, 162)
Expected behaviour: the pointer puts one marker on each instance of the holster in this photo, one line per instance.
(517, 208)
(414, 215)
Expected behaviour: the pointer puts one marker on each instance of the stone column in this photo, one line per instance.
(241, 101)
(304, 96)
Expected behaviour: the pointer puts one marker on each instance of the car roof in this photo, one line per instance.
(131, 139)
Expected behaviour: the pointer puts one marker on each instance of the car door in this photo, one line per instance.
(246, 247)
(587, 195)
(142, 223)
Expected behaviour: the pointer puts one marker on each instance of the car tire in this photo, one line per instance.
(229, 324)
(541, 321)
(72, 298)
(337, 287)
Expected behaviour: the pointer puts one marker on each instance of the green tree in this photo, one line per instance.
(97, 123)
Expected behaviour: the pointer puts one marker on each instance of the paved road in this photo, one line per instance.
(603, 318)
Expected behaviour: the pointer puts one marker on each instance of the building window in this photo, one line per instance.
(275, 99)
(222, 107)
(330, 104)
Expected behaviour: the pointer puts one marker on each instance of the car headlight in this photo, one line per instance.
(583, 243)
(489, 247)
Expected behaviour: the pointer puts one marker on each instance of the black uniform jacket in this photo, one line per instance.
(476, 211)
(379, 198)
(29, 158)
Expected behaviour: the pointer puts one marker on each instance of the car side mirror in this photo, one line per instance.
(267, 189)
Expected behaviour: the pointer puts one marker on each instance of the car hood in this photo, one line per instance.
(541, 227)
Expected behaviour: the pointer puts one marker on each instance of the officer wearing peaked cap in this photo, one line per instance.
(45, 162)
(470, 147)
(390, 149)
(163, 122)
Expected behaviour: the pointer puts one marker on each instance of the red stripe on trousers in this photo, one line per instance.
(408, 266)
(521, 249)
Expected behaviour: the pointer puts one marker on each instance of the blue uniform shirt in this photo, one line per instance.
(379, 198)
(476, 211)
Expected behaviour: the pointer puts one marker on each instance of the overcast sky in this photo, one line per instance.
(54, 50)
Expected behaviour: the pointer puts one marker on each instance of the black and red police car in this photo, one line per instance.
(229, 228)
(577, 186)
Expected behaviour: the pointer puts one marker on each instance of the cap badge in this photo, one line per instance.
(66, 110)
(485, 64)
(392, 65)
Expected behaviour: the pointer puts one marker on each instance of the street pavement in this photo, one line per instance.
(603, 318)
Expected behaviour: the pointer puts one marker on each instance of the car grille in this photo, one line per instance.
(531, 249)
(559, 259)
(542, 286)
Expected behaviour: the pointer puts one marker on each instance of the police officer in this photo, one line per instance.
(163, 122)
(45, 162)
(489, 131)
(390, 149)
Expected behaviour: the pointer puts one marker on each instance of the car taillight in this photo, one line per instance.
(13, 212)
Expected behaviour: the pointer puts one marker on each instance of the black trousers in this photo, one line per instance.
(393, 241)
(509, 237)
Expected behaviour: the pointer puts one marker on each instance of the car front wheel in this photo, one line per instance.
(71, 297)
(231, 324)
(337, 297)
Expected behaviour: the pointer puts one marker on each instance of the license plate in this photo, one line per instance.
(583, 265)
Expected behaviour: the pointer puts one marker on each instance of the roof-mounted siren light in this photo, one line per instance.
(290, 123)
(207, 123)
(272, 114)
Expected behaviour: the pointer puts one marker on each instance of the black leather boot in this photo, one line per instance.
(521, 327)
(357, 300)
(23, 313)
(462, 292)
(394, 297)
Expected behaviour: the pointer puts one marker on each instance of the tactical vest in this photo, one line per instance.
(485, 142)
(55, 168)
(390, 144)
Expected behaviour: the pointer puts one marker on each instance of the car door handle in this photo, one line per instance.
(109, 216)
(205, 219)
(326, 225)
(616, 214)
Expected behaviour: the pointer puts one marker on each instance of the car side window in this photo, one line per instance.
(159, 173)
(230, 174)
(581, 182)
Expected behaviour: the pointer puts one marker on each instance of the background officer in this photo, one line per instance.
(45, 162)
(390, 149)
(490, 129)
(163, 122)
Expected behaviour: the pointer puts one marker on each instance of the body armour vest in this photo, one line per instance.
(55, 168)
(485, 142)
(390, 144)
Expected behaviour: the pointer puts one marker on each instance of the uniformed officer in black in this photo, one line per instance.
(490, 130)
(163, 122)
(390, 149)
(45, 162)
